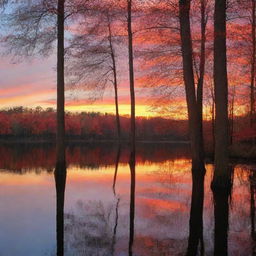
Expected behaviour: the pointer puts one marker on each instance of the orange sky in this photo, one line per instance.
(33, 83)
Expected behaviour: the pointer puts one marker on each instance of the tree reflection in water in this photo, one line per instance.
(92, 228)
(117, 200)
(221, 215)
(107, 225)
(132, 163)
(221, 197)
(60, 183)
(196, 215)
(252, 179)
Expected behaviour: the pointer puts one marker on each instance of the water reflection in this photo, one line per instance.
(196, 238)
(60, 184)
(117, 199)
(221, 198)
(116, 167)
(113, 209)
(132, 163)
(252, 179)
(221, 216)
(29, 157)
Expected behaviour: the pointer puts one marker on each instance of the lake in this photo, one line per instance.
(100, 207)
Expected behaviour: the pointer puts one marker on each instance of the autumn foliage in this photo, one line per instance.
(38, 123)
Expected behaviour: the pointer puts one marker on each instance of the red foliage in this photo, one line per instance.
(27, 122)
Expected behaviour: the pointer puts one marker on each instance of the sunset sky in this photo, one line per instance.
(32, 83)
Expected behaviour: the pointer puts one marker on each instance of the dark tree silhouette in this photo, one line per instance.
(253, 62)
(131, 70)
(92, 55)
(221, 173)
(60, 83)
(33, 31)
(195, 125)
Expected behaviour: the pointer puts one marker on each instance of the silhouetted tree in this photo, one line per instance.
(33, 30)
(221, 172)
(60, 83)
(253, 63)
(92, 61)
(195, 127)
(131, 70)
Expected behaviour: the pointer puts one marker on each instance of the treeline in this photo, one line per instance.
(38, 123)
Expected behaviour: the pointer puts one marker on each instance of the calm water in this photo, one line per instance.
(107, 211)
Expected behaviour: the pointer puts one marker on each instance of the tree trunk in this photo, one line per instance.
(131, 71)
(221, 174)
(118, 126)
(201, 69)
(60, 138)
(252, 87)
(231, 118)
(188, 74)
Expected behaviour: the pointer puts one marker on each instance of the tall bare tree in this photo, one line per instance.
(34, 27)
(131, 71)
(253, 63)
(92, 56)
(60, 139)
(221, 173)
(195, 129)
(200, 84)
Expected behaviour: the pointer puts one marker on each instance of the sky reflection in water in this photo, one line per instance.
(97, 215)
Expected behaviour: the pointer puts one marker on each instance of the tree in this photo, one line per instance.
(60, 83)
(253, 63)
(33, 32)
(200, 83)
(92, 55)
(221, 173)
(195, 130)
(131, 71)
